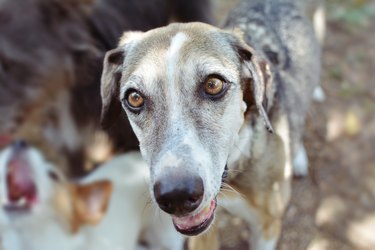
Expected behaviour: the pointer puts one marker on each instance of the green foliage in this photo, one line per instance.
(354, 12)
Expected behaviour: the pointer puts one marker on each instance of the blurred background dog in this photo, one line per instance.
(41, 210)
(50, 66)
(51, 55)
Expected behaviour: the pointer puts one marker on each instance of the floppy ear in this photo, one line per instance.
(110, 84)
(111, 76)
(91, 202)
(257, 76)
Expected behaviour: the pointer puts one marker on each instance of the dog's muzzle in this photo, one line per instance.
(21, 186)
(179, 194)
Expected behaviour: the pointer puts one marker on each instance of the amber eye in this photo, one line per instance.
(213, 86)
(134, 99)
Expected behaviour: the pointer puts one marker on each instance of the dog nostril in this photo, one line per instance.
(193, 199)
(179, 196)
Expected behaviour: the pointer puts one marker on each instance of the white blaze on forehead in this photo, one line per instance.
(173, 56)
(173, 53)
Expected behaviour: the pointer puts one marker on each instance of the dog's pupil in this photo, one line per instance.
(213, 86)
(136, 99)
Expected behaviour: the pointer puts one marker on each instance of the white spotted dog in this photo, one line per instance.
(108, 209)
(200, 98)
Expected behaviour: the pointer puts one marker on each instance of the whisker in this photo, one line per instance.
(229, 188)
(234, 171)
(223, 194)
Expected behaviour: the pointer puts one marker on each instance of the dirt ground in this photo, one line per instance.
(334, 208)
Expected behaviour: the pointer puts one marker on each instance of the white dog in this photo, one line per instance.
(108, 209)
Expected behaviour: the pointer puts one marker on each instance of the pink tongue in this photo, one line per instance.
(20, 181)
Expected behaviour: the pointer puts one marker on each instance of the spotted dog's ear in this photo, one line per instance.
(257, 76)
(90, 202)
(111, 76)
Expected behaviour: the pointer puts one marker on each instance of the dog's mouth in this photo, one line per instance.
(195, 224)
(21, 187)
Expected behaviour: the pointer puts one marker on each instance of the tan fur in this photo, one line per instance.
(265, 189)
(129, 36)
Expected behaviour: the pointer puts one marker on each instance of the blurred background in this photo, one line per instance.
(334, 207)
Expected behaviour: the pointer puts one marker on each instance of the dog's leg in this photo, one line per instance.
(300, 162)
(263, 213)
(319, 21)
(265, 193)
(318, 94)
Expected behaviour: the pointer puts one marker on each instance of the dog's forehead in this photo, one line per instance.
(185, 39)
(198, 33)
(191, 51)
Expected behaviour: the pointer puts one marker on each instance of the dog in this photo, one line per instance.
(202, 100)
(41, 210)
(52, 77)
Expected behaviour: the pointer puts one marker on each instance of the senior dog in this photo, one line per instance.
(202, 99)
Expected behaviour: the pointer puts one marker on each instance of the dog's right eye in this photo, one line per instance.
(53, 175)
(134, 100)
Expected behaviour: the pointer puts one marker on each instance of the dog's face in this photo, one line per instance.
(32, 190)
(185, 89)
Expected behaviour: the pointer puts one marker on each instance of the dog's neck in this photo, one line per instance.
(247, 145)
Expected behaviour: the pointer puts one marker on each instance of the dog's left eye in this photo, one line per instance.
(214, 86)
(134, 100)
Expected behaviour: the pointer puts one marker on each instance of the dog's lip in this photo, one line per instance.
(21, 186)
(197, 223)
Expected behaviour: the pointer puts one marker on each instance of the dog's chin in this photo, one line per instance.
(195, 224)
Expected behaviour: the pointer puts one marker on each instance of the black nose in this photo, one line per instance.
(179, 194)
(19, 145)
